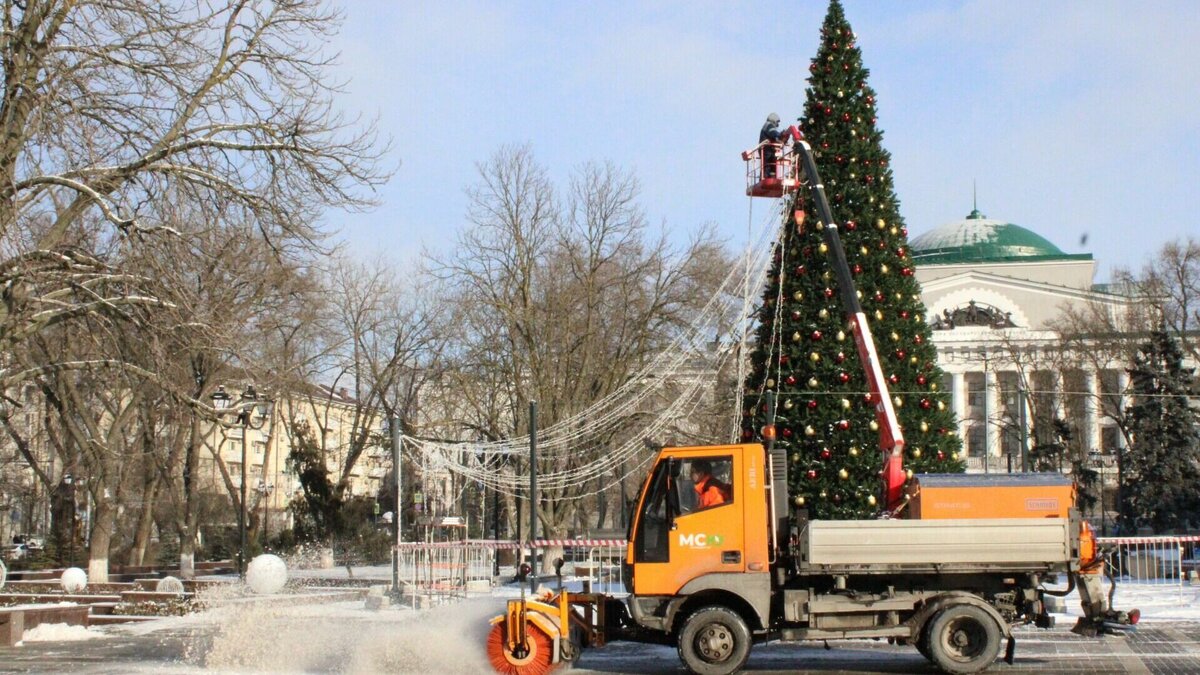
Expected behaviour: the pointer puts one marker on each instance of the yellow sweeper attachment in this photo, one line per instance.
(536, 635)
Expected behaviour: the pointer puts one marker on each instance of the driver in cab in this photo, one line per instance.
(709, 491)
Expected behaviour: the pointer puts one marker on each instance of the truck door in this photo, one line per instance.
(691, 523)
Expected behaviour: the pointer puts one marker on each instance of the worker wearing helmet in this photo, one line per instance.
(770, 134)
(709, 491)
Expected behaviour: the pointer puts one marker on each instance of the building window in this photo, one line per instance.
(975, 391)
(976, 439)
(1110, 440)
(260, 447)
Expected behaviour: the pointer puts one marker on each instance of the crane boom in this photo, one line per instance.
(891, 437)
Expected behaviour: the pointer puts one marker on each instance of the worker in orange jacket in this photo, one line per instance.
(709, 491)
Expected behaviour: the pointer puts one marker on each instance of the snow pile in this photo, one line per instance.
(59, 632)
(344, 638)
(73, 580)
(266, 574)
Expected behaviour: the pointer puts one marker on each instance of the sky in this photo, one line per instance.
(1073, 119)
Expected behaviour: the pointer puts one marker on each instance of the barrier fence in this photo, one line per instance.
(434, 572)
(437, 572)
(1153, 560)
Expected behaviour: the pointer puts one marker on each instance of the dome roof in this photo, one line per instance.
(978, 238)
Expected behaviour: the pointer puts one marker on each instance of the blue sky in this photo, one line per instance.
(1072, 117)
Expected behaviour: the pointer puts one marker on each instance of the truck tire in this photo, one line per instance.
(963, 639)
(922, 641)
(714, 641)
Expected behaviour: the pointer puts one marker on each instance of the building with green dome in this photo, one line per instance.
(994, 291)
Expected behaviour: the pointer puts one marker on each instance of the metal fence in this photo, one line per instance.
(1153, 560)
(432, 573)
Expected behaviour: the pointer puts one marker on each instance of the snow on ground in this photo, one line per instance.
(60, 632)
(1157, 602)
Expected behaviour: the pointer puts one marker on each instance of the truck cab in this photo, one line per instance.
(682, 552)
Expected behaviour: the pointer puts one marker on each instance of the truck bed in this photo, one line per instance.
(883, 546)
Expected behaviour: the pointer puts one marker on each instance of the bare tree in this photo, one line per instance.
(563, 300)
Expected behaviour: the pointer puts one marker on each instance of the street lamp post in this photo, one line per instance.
(265, 489)
(69, 481)
(252, 412)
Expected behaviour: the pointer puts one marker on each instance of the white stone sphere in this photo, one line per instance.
(73, 580)
(169, 585)
(266, 574)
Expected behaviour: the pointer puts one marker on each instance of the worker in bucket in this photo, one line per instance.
(770, 133)
(709, 491)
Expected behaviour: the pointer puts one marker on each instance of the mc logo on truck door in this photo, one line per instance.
(700, 540)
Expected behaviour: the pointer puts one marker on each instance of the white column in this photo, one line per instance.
(991, 390)
(1122, 386)
(1091, 407)
(958, 386)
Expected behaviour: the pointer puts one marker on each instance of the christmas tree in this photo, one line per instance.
(1162, 466)
(805, 350)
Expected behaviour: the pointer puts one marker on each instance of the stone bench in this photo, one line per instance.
(14, 621)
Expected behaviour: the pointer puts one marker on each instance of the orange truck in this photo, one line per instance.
(951, 566)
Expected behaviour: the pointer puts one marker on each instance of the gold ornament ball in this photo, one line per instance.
(878, 315)
(827, 275)
(822, 495)
(796, 336)
(871, 500)
(854, 451)
(798, 296)
(809, 431)
(858, 293)
(899, 296)
(787, 405)
(941, 405)
(894, 230)
(954, 455)
(841, 336)
(913, 359)
(916, 452)
(924, 426)
(933, 386)
(798, 501)
(770, 383)
(843, 474)
(880, 224)
(845, 403)
(823, 248)
(863, 250)
(895, 336)
(812, 383)
(874, 425)
(814, 357)
(883, 268)
(908, 473)
(898, 401)
(824, 313)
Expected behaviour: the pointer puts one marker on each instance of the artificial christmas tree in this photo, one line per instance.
(804, 349)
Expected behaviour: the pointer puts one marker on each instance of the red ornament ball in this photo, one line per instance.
(816, 335)
(787, 432)
(843, 425)
(878, 296)
(825, 453)
(790, 379)
(812, 474)
(926, 404)
(857, 268)
(812, 404)
(828, 292)
(919, 339)
(851, 225)
(783, 359)
(906, 271)
(921, 380)
(894, 379)
(941, 455)
(900, 354)
(841, 356)
(801, 269)
(843, 378)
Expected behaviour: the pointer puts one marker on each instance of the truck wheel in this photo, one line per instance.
(963, 639)
(714, 641)
(922, 641)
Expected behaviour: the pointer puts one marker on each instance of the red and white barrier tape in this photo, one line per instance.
(508, 544)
